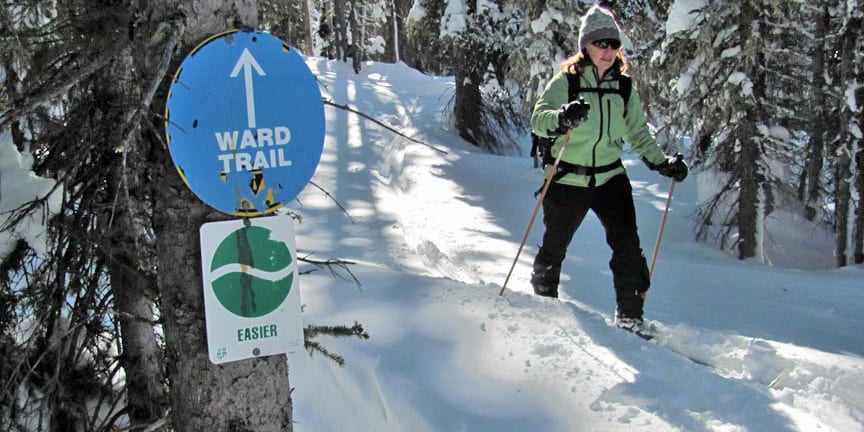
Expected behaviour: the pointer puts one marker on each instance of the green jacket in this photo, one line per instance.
(600, 139)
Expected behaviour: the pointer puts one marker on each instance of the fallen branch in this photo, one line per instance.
(334, 200)
(329, 264)
(382, 124)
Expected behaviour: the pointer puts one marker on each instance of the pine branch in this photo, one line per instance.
(311, 332)
(314, 347)
(46, 93)
(15, 216)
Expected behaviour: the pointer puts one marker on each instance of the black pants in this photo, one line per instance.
(564, 208)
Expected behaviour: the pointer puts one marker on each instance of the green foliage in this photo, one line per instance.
(310, 333)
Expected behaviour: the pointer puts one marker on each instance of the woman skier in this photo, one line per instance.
(591, 98)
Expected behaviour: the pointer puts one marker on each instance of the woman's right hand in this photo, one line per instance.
(573, 114)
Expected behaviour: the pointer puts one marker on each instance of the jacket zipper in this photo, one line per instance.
(592, 180)
(609, 123)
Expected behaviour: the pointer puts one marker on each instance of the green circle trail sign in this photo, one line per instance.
(261, 267)
(251, 295)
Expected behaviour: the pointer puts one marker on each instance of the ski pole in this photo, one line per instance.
(660, 233)
(536, 209)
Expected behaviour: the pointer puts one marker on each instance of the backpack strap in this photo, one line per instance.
(625, 88)
(573, 85)
(541, 147)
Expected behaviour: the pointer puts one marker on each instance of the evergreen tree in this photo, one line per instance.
(643, 23)
(480, 37)
(847, 149)
(729, 73)
(83, 99)
(424, 48)
(69, 358)
(550, 34)
(394, 30)
(811, 187)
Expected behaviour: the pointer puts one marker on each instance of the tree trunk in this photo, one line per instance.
(854, 71)
(133, 291)
(340, 30)
(467, 106)
(356, 45)
(393, 25)
(842, 200)
(248, 395)
(748, 136)
(816, 147)
(141, 356)
(307, 16)
(468, 103)
(858, 235)
(748, 200)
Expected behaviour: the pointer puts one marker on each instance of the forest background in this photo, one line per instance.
(764, 95)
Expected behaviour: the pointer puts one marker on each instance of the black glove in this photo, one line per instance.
(673, 166)
(573, 114)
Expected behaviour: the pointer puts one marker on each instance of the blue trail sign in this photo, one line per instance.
(245, 123)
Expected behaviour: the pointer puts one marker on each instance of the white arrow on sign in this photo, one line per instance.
(247, 62)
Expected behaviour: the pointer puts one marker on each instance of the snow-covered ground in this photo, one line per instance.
(776, 348)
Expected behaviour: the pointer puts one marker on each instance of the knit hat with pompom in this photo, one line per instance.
(597, 24)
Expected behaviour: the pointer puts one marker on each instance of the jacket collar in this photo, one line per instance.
(611, 74)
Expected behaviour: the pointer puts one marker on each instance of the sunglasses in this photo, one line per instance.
(607, 44)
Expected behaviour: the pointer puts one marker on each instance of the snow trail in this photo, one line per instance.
(433, 236)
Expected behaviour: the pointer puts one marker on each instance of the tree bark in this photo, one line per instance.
(141, 356)
(394, 25)
(247, 395)
(748, 200)
(854, 71)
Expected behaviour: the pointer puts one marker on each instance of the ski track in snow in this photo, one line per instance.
(512, 348)
(769, 366)
(784, 371)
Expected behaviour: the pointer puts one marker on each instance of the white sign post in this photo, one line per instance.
(251, 294)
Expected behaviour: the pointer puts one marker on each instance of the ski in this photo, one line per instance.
(652, 331)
